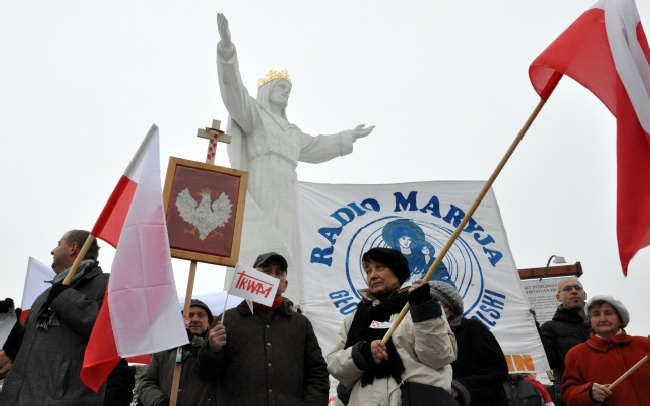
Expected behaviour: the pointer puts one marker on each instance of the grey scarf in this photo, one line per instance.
(47, 318)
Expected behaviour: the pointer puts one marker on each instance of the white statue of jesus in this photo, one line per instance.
(269, 147)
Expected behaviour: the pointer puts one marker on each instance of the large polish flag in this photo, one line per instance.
(140, 314)
(606, 51)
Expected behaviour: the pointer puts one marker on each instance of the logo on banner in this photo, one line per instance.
(419, 238)
(419, 242)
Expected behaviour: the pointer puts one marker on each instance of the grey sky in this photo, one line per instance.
(445, 83)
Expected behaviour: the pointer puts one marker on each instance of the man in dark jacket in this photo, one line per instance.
(270, 356)
(480, 369)
(47, 367)
(156, 384)
(567, 329)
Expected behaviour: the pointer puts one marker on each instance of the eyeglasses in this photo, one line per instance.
(569, 288)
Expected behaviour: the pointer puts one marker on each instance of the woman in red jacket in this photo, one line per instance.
(592, 366)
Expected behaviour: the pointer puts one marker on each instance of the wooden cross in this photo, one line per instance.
(214, 134)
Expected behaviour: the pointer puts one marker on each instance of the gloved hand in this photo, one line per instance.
(55, 291)
(364, 349)
(420, 295)
(6, 304)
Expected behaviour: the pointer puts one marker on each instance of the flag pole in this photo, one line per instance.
(176, 377)
(225, 307)
(214, 134)
(477, 202)
(77, 261)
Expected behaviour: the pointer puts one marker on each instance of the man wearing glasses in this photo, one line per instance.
(568, 328)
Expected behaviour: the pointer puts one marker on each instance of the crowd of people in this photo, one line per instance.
(256, 354)
(269, 355)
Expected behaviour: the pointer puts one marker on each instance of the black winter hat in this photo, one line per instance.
(393, 259)
(200, 303)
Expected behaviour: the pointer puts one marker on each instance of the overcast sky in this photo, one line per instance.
(445, 83)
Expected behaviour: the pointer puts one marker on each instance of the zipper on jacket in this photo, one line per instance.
(65, 380)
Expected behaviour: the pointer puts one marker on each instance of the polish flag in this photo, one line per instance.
(38, 274)
(140, 314)
(606, 51)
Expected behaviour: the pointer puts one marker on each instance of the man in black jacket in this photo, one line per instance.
(270, 355)
(567, 329)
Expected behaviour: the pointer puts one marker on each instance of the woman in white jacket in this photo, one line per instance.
(414, 363)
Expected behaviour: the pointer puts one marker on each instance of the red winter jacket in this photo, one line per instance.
(603, 361)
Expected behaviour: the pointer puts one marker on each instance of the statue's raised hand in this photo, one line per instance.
(361, 131)
(224, 32)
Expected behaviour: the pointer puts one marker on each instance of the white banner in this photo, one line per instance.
(336, 224)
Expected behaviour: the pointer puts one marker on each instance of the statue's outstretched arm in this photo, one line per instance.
(224, 32)
(361, 131)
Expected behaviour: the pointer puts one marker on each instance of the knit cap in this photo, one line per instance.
(200, 303)
(448, 296)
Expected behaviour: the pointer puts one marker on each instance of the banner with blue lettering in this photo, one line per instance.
(336, 224)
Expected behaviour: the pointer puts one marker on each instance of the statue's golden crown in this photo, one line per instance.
(272, 75)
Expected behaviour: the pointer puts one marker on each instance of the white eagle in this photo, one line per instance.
(206, 216)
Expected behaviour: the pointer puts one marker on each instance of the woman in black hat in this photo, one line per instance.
(414, 362)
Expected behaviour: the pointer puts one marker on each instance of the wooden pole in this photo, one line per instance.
(629, 371)
(214, 135)
(468, 215)
(176, 377)
(77, 261)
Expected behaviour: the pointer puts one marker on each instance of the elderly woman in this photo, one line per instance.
(414, 364)
(593, 365)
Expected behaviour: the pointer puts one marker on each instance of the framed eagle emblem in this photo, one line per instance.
(204, 209)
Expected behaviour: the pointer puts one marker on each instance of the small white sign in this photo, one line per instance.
(380, 324)
(251, 284)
